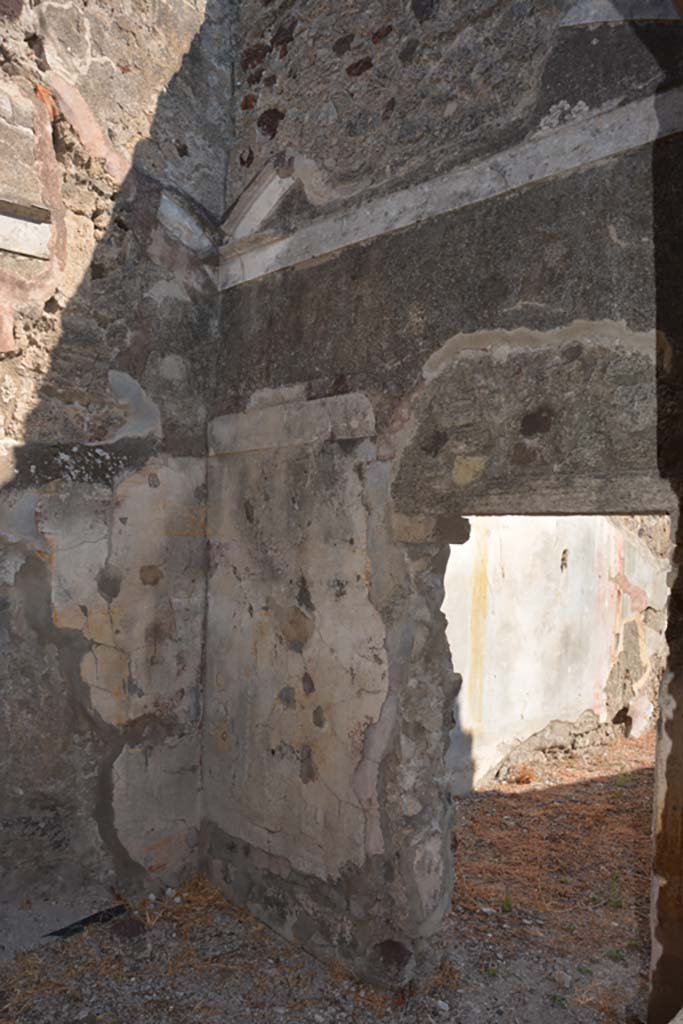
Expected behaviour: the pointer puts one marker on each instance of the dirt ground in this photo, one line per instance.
(553, 889)
(549, 924)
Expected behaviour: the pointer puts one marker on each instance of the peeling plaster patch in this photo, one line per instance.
(301, 699)
(77, 110)
(19, 519)
(161, 291)
(183, 226)
(504, 342)
(637, 596)
(144, 417)
(155, 794)
(143, 633)
(317, 186)
(174, 368)
(105, 672)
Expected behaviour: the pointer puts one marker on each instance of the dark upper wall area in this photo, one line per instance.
(394, 91)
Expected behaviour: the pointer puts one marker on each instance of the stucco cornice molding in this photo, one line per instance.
(546, 154)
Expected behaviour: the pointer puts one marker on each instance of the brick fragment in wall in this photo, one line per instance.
(269, 122)
(359, 67)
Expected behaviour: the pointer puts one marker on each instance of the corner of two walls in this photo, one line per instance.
(356, 408)
(338, 107)
(328, 687)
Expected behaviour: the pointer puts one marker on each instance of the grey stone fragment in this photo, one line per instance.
(591, 12)
(25, 237)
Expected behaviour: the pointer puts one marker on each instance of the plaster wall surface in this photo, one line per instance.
(539, 611)
(310, 618)
(296, 656)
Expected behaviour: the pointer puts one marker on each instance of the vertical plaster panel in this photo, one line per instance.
(296, 666)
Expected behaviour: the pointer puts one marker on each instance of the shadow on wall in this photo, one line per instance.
(667, 203)
(102, 559)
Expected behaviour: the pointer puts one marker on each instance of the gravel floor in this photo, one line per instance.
(548, 925)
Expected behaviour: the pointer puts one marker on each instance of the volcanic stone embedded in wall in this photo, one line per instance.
(392, 84)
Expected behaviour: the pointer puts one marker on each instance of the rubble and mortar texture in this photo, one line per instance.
(498, 357)
(116, 118)
(391, 91)
(518, 341)
(319, 634)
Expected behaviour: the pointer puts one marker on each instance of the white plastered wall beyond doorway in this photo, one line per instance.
(553, 619)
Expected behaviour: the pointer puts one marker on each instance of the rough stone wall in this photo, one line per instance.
(369, 92)
(391, 352)
(365, 96)
(114, 119)
(501, 319)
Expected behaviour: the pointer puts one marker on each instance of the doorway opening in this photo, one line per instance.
(557, 626)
